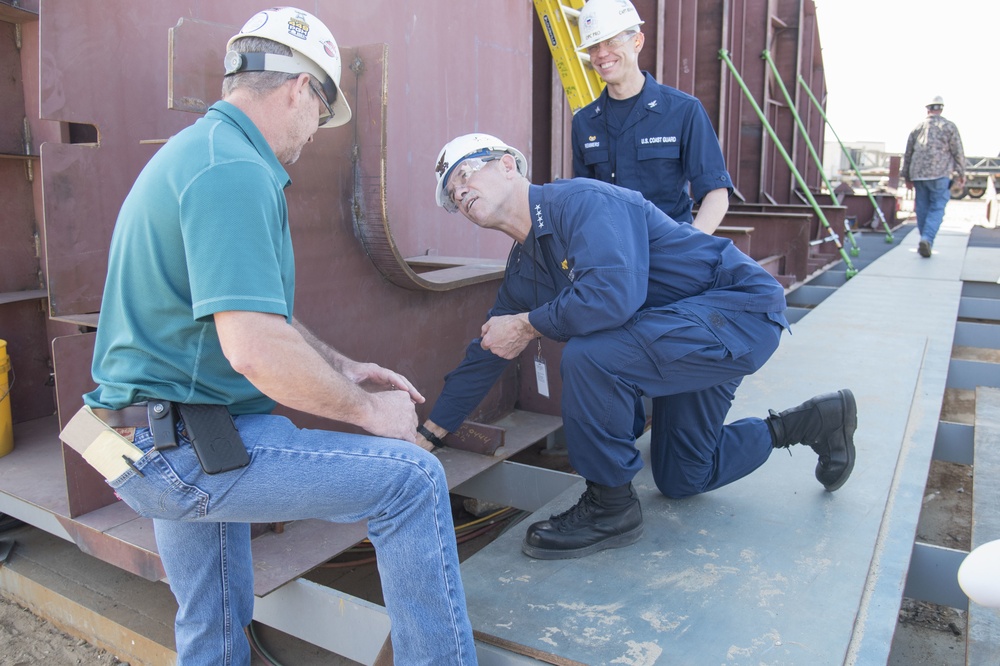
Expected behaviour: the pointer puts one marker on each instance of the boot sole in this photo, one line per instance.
(618, 541)
(850, 407)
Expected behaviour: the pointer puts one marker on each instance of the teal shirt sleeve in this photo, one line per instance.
(234, 223)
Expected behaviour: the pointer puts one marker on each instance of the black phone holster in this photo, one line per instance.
(214, 437)
(162, 423)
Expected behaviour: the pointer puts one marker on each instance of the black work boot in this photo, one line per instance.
(605, 517)
(827, 424)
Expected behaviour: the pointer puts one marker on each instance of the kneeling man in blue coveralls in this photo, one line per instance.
(646, 306)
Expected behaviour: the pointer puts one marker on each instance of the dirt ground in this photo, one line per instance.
(929, 634)
(27, 640)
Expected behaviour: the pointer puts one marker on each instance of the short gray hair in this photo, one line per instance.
(259, 82)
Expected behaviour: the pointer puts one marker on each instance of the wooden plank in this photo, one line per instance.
(983, 644)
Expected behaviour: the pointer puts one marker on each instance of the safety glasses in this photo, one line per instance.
(323, 117)
(464, 170)
(613, 43)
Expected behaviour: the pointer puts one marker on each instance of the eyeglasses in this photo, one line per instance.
(323, 117)
(462, 172)
(613, 43)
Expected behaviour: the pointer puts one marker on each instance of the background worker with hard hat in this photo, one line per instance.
(641, 134)
(647, 306)
(205, 228)
(933, 154)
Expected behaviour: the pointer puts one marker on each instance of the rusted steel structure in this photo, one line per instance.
(91, 89)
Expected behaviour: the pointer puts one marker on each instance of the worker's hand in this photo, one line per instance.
(958, 182)
(909, 184)
(393, 415)
(507, 335)
(374, 377)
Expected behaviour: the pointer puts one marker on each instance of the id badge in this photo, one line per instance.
(541, 373)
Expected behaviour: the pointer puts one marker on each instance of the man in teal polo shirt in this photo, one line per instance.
(197, 320)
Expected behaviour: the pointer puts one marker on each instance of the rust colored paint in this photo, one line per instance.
(86, 489)
(22, 283)
(682, 44)
(341, 293)
(121, 552)
(130, 74)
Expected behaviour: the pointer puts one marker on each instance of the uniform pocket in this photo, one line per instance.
(661, 151)
(592, 157)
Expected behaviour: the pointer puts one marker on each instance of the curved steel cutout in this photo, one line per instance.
(368, 69)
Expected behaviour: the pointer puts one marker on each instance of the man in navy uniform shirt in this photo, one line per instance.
(647, 306)
(641, 134)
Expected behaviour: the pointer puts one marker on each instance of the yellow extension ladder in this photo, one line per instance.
(559, 23)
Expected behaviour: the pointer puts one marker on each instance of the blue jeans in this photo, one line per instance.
(202, 531)
(931, 198)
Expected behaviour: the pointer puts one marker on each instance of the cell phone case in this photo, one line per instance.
(214, 437)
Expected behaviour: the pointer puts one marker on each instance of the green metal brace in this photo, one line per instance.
(805, 135)
(851, 270)
(878, 211)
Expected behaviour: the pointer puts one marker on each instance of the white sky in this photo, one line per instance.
(885, 59)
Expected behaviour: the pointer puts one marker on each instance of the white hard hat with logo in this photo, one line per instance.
(314, 52)
(465, 147)
(603, 19)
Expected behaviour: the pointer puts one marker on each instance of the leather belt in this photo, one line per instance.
(133, 416)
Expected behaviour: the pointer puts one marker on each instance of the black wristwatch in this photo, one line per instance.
(429, 436)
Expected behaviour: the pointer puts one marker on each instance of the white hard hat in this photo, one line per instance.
(462, 148)
(603, 19)
(314, 51)
(937, 101)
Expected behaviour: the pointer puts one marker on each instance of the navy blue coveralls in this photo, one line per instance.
(647, 306)
(666, 142)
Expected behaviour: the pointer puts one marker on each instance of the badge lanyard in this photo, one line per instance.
(541, 372)
(541, 369)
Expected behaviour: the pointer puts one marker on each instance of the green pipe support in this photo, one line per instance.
(847, 154)
(851, 270)
(766, 55)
